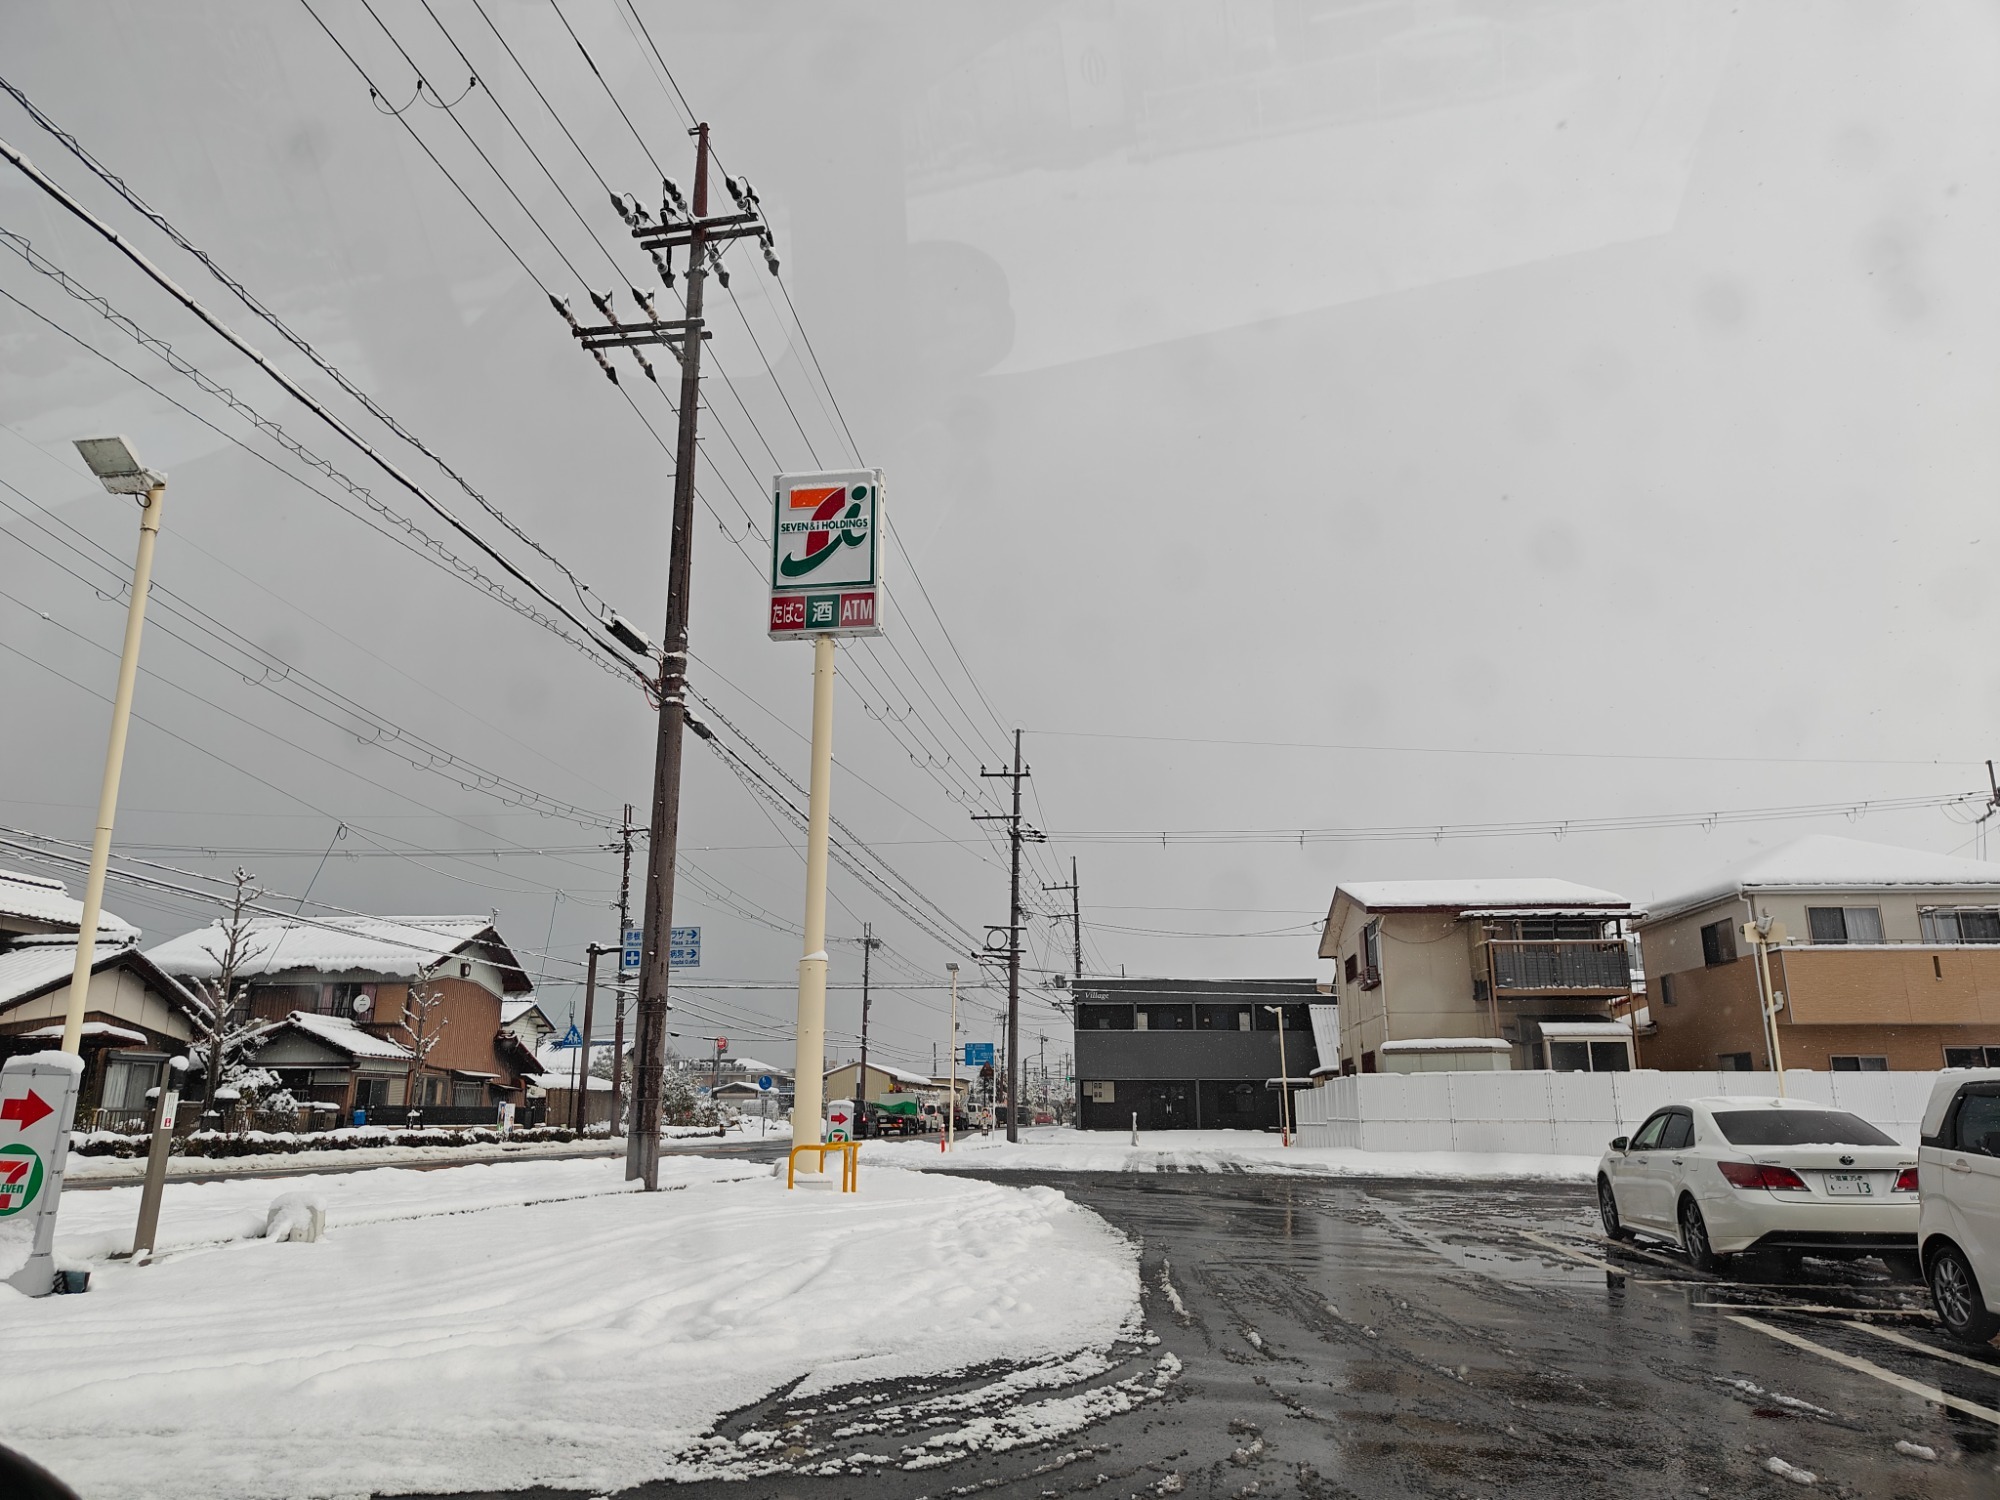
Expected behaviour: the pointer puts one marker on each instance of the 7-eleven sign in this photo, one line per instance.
(826, 554)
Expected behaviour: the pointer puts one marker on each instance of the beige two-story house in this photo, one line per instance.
(1890, 961)
(1462, 974)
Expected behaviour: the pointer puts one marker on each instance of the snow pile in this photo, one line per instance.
(295, 1217)
(591, 1344)
(1058, 1149)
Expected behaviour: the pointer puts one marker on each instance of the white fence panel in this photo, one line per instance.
(1568, 1114)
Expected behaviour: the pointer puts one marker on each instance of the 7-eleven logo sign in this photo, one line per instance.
(20, 1178)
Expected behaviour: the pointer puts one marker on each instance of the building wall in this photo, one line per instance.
(1103, 1056)
(115, 995)
(1426, 989)
(471, 1012)
(1905, 1000)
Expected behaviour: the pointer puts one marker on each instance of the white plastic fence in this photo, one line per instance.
(1565, 1114)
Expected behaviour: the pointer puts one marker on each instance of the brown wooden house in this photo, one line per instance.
(343, 1029)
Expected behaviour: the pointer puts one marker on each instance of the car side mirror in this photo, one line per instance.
(1619, 1143)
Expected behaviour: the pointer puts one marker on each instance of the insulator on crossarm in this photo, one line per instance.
(735, 190)
(645, 300)
(646, 365)
(618, 207)
(605, 365)
(561, 305)
(715, 264)
(771, 259)
(671, 200)
(665, 268)
(602, 301)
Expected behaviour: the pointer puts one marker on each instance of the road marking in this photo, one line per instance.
(1561, 1249)
(1866, 1367)
(1817, 1307)
(1958, 1359)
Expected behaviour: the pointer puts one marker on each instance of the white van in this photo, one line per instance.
(1958, 1187)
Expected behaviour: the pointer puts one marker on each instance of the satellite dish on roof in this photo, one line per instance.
(362, 1005)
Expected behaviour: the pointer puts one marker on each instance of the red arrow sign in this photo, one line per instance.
(24, 1112)
(837, 1119)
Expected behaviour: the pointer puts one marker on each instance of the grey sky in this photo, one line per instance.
(1606, 379)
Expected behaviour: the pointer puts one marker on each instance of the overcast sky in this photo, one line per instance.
(1312, 415)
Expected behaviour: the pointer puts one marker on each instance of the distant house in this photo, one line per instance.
(1523, 973)
(530, 1025)
(335, 998)
(1891, 960)
(136, 1016)
(1191, 1054)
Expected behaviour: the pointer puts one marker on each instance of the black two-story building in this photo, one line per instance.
(1192, 1054)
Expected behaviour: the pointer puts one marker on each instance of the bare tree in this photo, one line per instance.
(423, 1023)
(234, 950)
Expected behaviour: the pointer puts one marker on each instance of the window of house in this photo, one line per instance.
(1569, 1057)
(1960, 924)
(467, 1093)
(1667, 996)
(1222, 1018)
(127, 1077)
(1718, 943)
(1371, 954)
(1732, 1062)
(1352, 970)
(1858, 1064)
(371, 1093)
(1972, 1057)
(337, 998)
(1166, 1018)
(1104, 1017)
(1845, 924)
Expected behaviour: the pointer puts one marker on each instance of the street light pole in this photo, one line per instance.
(112, 460)
(1284, 1080)
(951, 1105)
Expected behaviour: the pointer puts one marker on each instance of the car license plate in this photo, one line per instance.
(1849, 1184)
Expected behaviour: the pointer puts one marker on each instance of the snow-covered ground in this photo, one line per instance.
(1047, 1148)
(525, 1323)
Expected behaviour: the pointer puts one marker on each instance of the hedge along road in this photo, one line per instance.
(186, 1169)
(1371, 1339)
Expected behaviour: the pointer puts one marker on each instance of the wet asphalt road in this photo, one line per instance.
(1346, 1338)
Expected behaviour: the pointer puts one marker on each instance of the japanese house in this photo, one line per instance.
(1479, 974)
(344, 1029)
(1191, 1054)
(1890, 960)
(135, 1017)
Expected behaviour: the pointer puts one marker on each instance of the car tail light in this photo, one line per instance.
(1743, 1174)
(1906, 1180)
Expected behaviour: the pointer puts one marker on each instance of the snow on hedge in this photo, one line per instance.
(495, 1343)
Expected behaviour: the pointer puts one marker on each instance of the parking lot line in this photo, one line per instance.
(1819, 1307)
(1983, 1366)
(1866, 1367)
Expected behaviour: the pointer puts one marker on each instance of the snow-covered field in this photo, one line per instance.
(524, 1323)
(1046, 1148)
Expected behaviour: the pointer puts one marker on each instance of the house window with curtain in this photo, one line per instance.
(1960, 924)
(1845, 924)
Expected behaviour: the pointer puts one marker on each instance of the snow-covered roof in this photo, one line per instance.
(1825, 862)
(512, 1011)
(102, 1030)
(554, 1059)
(752, 1065)
(397, 946)
(37, 964)
(1513, 895)
(342, 1035)
(38, 898)
(1447, 1044)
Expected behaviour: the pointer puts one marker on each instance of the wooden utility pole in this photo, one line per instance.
(581, 1112)
(691, 229)
(869, 943)
(1016, 836)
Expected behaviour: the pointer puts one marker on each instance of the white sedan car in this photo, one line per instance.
(1722, 1176)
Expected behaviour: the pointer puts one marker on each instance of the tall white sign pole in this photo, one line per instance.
(826, 581)
(810, 1066)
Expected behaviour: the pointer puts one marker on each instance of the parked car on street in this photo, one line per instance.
(1958, 1223)
(1723, 1176)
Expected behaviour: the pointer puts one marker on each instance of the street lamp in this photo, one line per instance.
(112, 460)
(1284, 1081)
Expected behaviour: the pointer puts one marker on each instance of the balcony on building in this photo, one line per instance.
(1553, 955)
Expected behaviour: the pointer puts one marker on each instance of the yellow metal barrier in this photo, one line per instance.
(850, 1166)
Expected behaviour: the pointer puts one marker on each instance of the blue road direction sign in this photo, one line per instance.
(683, 949)
(979, 1054)
(763, 1083)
